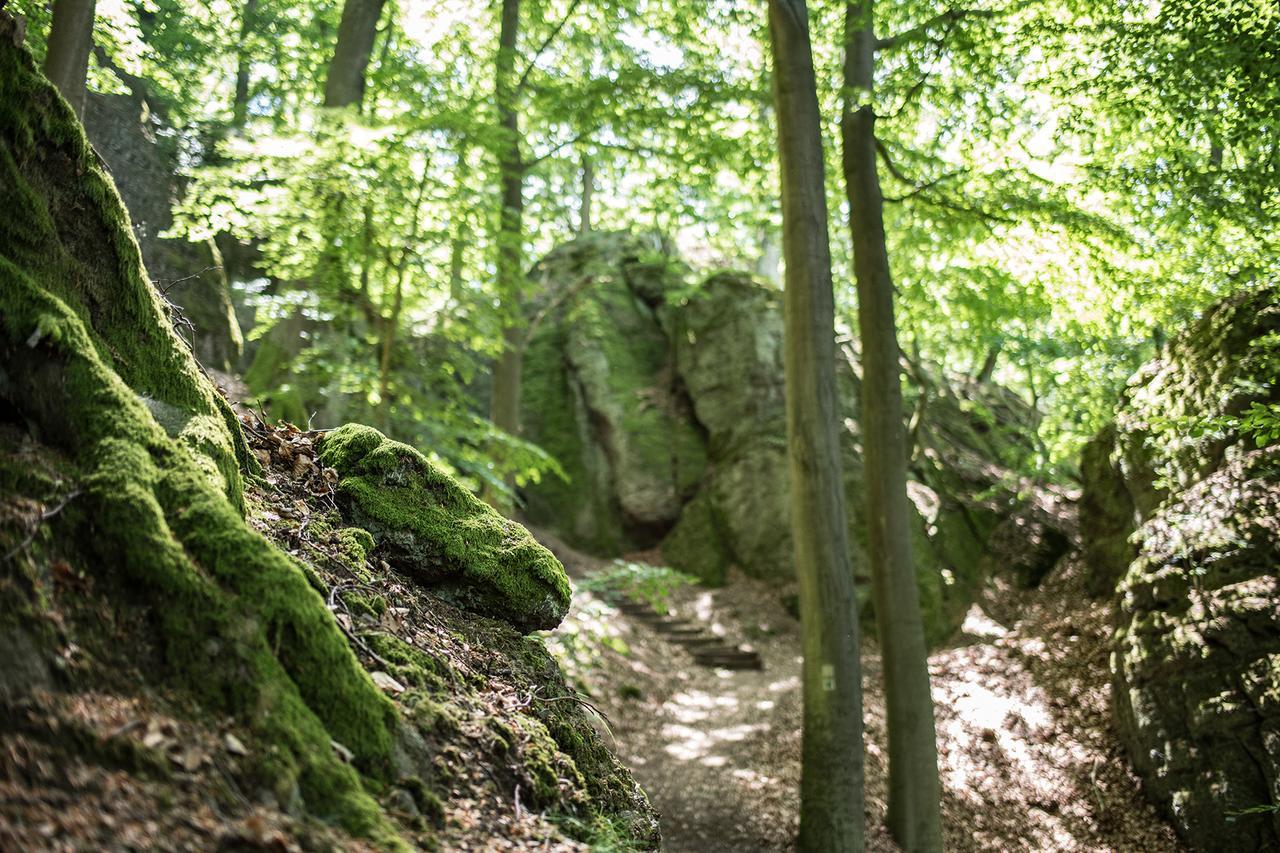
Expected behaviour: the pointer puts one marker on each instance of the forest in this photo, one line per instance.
(616, 425)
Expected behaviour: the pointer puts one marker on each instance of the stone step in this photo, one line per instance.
(705, 641)
(732, 659)
(707, 649)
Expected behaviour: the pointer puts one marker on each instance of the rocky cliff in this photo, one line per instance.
(663, 399)
(1181, 521)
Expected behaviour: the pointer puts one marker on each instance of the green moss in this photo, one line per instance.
(89, 358)
(696, 545)
(356, 544)
(371, 606)
(78, 260)
(426, 799)
(412, 666)
(431, 528)
(577, 506)
(267, 373)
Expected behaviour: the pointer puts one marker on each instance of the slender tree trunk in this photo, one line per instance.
(504, 410)
(831, 817)
(344, 85)
(240, 103)
(989, 363)
(913, 817)
(66, 63)
(770, 258)
(393, 304)
(588, 194)
(457, 262)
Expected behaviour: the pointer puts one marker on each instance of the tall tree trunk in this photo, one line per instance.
(457, 262)
(66, 63)
(504, 409)
(240, 103)
(393, 304)
(989, 363)
(913, 815)
(344, 85)
(588, 194)
(770, 257)
(831, 816)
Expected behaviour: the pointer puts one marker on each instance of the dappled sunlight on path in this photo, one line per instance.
(1027, 757)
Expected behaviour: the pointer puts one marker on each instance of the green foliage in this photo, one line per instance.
(652, 585)
(1066, 183)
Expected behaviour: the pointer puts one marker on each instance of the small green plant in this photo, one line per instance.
(652, 585)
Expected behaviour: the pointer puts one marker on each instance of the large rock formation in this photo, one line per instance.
(141, 154)
(665, 404)
(1181, 518)
(603, 399)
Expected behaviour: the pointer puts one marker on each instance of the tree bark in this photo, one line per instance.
(345, 83)
(831, 807)
(504, 407)
(240, 102)
(989, 363)
(66, 63)
(588, 194)
(913, 818)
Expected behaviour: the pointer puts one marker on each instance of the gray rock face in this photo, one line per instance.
(1183, 524)
(144, 167)
(602, 397)
(666, 406)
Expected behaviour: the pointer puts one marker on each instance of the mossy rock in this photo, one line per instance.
(601, 396)
(666, 405)
(144, 164)
(432, 529)
(1179, 527)
(91, 366)
(697, 545)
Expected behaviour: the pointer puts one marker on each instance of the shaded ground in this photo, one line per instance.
(1028, 758)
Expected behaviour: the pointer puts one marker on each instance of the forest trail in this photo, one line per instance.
(1027, 755)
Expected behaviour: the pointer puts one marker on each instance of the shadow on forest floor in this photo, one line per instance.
(1028, 758)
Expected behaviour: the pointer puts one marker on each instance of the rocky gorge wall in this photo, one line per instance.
(1181, 526)
(664, 404)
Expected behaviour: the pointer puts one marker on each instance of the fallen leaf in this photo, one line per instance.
(234, 745)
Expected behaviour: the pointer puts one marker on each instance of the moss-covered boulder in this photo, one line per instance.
(1181, 519)
(432, 529)
(686, 386)
(91, 368)
(601, 396)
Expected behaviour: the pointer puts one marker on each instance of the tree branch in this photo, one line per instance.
(577, 137)
(925, 187)
(922, 31)
(889, 164)
(524, 78)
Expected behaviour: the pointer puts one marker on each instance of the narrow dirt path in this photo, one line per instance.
(1026, 752)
